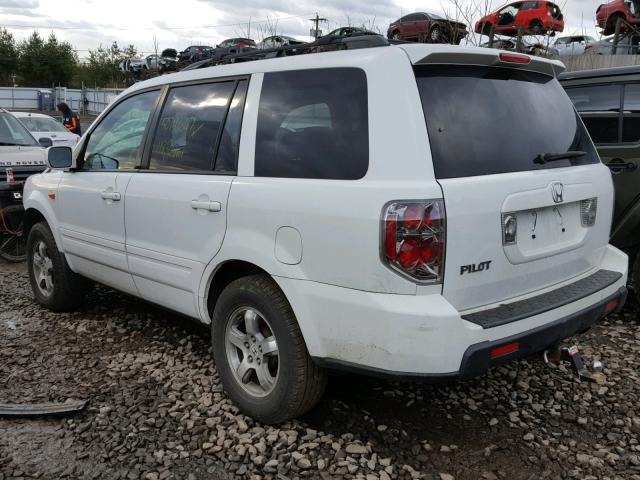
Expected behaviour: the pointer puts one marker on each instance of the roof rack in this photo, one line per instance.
(323, 44)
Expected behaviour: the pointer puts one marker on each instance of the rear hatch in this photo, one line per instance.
(514, 226)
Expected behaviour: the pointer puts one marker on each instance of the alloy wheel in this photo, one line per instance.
(42, 268)
(252, 351)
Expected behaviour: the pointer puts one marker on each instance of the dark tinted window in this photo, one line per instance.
(227, 158)
(596, 98)
(187, 132)
(313, 124)
(530, 5)
(489, 120)
(599, 106)
(115, 142)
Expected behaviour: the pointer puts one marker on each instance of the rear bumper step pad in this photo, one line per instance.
(512, 312)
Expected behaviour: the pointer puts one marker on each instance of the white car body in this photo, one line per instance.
(320, 240)
(41, 125)
(22, 160)
(573, 45)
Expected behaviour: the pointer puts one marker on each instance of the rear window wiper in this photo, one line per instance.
(554, 157)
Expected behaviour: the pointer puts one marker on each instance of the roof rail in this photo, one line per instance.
(323, 44)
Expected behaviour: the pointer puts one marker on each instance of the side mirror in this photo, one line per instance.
(46, 142)
(59, 157)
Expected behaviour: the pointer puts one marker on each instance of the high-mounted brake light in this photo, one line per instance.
(514, 58)
(413, 239)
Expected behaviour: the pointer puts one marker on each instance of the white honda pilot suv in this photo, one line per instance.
(416, 211)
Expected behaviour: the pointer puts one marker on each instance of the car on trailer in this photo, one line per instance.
(530, 17)
(608, 14)
(427, 27)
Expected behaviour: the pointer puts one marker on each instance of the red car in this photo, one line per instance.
(607, 14)
(534, 17)
(427, 27)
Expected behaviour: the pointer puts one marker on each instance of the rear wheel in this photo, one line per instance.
(55, 286)
(435, 35)
(13, 244)
(260, 353)
(635, 276)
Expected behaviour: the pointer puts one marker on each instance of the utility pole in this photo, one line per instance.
(315, 33)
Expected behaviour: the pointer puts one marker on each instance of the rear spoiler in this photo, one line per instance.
(494, 58)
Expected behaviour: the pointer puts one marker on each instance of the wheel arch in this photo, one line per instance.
(37, 209)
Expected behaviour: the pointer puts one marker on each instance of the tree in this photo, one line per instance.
(45, 63)
(8, 57)
(103, 64)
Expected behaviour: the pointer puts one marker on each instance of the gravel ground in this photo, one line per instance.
(157, 410)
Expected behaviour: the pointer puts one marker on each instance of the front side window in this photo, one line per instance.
(189, 125)
(313, 124)
(116, 142)
(599, 107)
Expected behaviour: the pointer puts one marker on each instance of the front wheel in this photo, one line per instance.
(55, 286)
(13, 244)
(260, 353)
(435, 35)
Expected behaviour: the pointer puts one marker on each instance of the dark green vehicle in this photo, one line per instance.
(608, 100)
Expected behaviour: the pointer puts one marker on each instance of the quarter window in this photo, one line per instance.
(188, 129)
(313, 124)
(115, 143)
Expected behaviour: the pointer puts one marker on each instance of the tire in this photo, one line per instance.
(435, 35)
(486, 29)
(635, 276)
(536, 27)
(54, 285)
(395, 36)
(12, 244)
(610, 26)
(249, 312)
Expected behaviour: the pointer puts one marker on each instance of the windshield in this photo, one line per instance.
(12, 132)
(42, 124)
(490, 120)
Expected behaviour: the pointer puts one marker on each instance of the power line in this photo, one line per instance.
(239, 24)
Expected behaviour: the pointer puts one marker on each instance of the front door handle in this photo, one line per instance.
(206, 205)
(109, 195)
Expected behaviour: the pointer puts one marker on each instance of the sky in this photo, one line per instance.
(87, 24)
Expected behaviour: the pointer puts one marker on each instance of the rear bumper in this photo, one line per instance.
(423, 336)
(477, 359)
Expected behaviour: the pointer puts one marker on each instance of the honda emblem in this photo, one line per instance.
(557, 192)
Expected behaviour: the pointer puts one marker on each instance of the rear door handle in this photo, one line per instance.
(109, 195)
(619, 167)
(206, 205)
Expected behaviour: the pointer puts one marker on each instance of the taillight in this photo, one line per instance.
(413, 236)
(242, 45)
(514, 58)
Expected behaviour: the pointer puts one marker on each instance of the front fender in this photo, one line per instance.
(36, 197)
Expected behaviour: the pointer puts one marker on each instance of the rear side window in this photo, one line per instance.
(490, 120)
(189, 126)
(599, 107)
(313, 124)
(631, 117)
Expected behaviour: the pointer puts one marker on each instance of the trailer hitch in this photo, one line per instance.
(572, 355)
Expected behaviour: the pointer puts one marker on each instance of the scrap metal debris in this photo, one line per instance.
(40, 409)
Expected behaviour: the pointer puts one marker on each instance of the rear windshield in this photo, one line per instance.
(490, 120)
